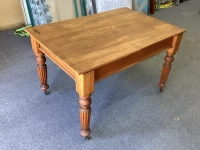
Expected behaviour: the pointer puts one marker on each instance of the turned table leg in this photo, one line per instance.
(169, 58)
(85, 111)
(165, 70)
(42, 71)
(85, 87)
(41, 66)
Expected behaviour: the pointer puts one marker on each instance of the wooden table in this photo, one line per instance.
(92, 48)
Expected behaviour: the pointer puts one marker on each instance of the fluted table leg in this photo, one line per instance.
(165, 70)
(41, 66)
(169, 58)
(42, 72)
(85, 111)
(85, 87)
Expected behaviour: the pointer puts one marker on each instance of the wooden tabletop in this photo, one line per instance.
(87, 43)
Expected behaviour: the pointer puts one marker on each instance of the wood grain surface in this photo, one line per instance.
(90, 42)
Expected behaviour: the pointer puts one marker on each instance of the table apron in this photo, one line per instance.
(58, 62)
(121, 64)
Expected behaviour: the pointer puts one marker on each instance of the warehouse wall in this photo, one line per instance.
(10, 14)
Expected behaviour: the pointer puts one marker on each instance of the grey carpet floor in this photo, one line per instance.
(128, 112)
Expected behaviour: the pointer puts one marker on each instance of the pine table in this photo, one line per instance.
(94, 47)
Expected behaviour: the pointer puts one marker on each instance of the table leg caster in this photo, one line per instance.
(87, 137)
(161, 87)
(46, 92)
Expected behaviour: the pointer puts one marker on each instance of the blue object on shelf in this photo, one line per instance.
(141, 6)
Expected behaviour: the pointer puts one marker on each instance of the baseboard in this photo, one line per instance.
(12, 26)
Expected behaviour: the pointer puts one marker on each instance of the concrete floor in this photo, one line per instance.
(128, 112)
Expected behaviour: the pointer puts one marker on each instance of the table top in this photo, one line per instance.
(87, 43)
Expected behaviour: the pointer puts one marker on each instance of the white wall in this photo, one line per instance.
(61, 9)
